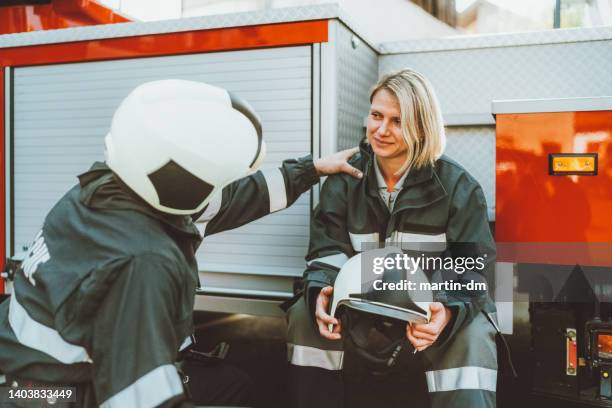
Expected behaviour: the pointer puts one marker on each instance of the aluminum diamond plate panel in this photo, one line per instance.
(498, 40)
(269, 16)
(468, 80)
(356, 72)
(474, 148)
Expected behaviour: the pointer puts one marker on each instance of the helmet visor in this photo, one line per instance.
(179, 189)
(386, 310)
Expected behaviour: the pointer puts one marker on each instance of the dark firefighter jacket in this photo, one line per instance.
(437, 204)
(82, 308)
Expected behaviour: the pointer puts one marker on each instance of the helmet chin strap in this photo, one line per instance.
(386, 357)
(389, 362)
(259, 157)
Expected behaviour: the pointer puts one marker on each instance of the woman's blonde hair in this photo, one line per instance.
(421, 117)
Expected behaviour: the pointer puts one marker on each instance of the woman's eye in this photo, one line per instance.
(397, 122)
(375, 115)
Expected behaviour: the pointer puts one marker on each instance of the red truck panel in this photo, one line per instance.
(533, 206)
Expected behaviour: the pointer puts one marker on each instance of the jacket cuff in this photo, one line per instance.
(458, 311)
(311, 292)
(300, 175)
(310, 177)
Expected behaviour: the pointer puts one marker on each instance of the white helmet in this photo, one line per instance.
(358, 287)
(364, 306)
(177, 143)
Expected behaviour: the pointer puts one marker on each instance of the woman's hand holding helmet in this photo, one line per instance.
(424, 335)
(323, 319)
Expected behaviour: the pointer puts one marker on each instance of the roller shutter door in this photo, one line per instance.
(62, 113)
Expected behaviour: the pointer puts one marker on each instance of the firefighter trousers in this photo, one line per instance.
(135, 333)
(462, 372)
(218, 385)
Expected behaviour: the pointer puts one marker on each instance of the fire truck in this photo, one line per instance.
(529, 115)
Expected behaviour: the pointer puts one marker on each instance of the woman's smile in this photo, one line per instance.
(383, 128)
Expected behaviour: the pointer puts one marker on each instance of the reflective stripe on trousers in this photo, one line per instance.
(150, 390)
(462, 378)
(460, 373)
(45, 339)
(306, 356)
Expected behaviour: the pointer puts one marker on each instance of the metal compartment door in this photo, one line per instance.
(62, 113)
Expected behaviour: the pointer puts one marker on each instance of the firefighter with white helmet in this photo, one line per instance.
(103, 300)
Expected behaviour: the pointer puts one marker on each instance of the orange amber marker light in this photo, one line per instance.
(604, 345)
(561, 164)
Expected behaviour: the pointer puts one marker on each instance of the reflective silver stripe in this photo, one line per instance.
(276, 189)
(2, 379)
(336, 260)
(313, 357)
(37, 254)
(212, 209)
(417, 242)
(39, 337)
(492, 317)
(358, 239)
(462, 378)
(186, 343)
(414, 237)
(150, 390)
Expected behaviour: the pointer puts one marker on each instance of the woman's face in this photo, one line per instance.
(384, 128)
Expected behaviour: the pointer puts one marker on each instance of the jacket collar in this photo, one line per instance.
(369, 174)
(102, 189)
(421, 186)
(380, 180)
